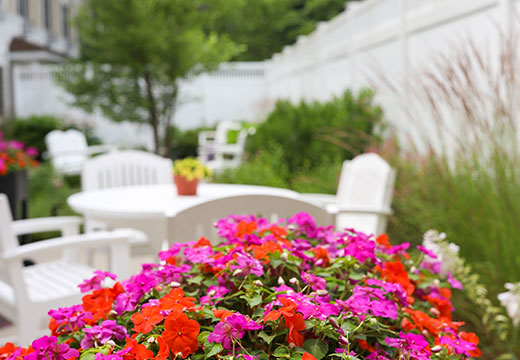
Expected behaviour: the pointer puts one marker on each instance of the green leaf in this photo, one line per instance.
(267, 338)
(282, 352)
(195, 280)
(316, 347)
(216, 349)
(254, 301)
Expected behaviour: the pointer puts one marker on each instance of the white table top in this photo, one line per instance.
(156, 201)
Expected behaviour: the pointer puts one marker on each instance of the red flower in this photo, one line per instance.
(181, 333)
(176, 301)
(293, 320)
(307, 356)
(245, 228)
(164, 349)
(472, 338)
(137, 351)
(145, 321)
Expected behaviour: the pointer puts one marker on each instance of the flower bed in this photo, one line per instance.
(269, 291)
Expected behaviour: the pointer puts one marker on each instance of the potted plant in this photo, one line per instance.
(187, 173)
(15, 158)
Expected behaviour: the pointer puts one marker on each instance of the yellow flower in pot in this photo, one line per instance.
(187, 173)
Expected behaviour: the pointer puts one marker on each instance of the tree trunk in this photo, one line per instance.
(169, 117)
(152, 112)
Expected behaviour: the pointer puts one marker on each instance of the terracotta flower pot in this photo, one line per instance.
(185, 187)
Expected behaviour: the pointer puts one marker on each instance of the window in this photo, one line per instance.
(65, 20)
(47, 14)
(23, 8)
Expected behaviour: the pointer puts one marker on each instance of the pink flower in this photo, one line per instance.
(96, 281)
(248, 265)
(456, 284)
(458, 345)
(315, 282)
(32, 151)
(47, 348)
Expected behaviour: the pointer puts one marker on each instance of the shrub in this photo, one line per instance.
(290, 291)
(315, 133)
(185, 143)
(32, 130)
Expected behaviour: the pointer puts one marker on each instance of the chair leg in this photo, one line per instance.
(28, 327)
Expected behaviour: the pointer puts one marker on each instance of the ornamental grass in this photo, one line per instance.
(284, 290)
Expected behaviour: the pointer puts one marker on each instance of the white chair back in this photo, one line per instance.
(199, 220)
(7, 239)
(366, 182)
(67, 150)
(126, 168)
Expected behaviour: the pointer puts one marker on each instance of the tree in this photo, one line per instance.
(134, 52)
(266, 26)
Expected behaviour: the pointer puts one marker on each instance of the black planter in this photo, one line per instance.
(14, 185)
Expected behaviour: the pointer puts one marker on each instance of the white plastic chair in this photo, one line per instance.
(214, 149)
(364, 194)
(28, 293)
(197, 221)
(126, 168)
(68, 150)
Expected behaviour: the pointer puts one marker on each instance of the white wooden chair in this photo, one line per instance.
(126, 168)
(28, 293)
(197, 221)
(214, 149)
(364, 194)
(68, 150)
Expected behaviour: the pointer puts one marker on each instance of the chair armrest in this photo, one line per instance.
(320, 199)
(231, 149)
(206, 137)
(94, 239)
(347, 209)
(96, 149)
(68, 225)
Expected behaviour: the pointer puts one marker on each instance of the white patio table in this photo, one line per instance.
(147, 207)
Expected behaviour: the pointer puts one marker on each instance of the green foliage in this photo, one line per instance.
(48, 195)
(185, 143)
(266, 26)
(133, 54)
(315, 133)
(268, 169)
(473, 202)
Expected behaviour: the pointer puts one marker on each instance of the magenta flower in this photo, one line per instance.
(70, 318)
(32, 151)
(233, 328)
(47, 348)
(458, 345)
(16, 145)
(315, 282)
(199, 255)
(96, 281)
(100, 334)
(361, 249)
(415, 346)
(214, 292)
(305, 222)
(456, 284)
(426, 251)
(248, 265)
